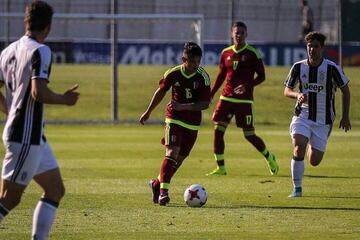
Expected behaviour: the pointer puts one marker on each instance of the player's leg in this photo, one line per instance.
(315, 156)
(297, 163)
(187, 143)
(259, 144)
(18, 168)
(318, 142)
(173, 139)
(45, 211)
(10, 197)
(221, 118)
(245, 119)
(219, 149)
(48, 177)
(300, 133)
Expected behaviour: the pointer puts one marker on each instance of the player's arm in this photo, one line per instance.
(41, 93)
(156, 99)
(220, 78)
(290, 93)
(3, 105)
(345, 119)
(260, 72)
(290, 82)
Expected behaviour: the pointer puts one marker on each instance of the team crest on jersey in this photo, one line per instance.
(177, 84)
(196, 84)
(228, 58)
(243, 58)
(173, 138)
(235, 64)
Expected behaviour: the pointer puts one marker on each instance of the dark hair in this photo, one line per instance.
(239, 24)
(38, 15)
(315, 36)
(191, 49)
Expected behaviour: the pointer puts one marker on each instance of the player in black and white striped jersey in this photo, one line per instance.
(318, 78)
(25, 67)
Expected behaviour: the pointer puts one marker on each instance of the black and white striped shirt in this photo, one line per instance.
(319, 85)
(20, 63)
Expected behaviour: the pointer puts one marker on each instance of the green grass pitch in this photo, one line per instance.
(106, 169)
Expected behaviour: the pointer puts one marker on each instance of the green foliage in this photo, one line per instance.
(138, 83)
(106, 170)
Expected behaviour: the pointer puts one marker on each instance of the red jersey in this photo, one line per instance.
(239, 67)
(186, 89)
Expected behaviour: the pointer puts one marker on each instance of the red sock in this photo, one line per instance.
(167, 170)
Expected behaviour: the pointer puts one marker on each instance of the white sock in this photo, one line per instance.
(297, 172)
(3, 212)
(43, 219)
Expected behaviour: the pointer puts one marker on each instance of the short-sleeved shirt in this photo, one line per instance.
(319, 85)
(20, 63)
(240, 67)
(186, 89)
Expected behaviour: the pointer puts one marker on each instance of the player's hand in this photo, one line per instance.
(144, 117)
(240, 89)
(345, 124)
(301, 98)
(177, 106)
(71, 96)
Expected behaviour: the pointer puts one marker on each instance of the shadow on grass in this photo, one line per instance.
(321, 176)
(175, 205)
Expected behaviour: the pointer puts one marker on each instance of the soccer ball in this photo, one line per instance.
(195, 196)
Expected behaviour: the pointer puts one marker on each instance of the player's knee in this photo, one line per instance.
(315, 161)
(10, 200)
(299, 151)
(56, 193)
(61, 191)
(249, 134)
(220, 127)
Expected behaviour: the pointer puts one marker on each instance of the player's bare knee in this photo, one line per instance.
(172, 152)
(56, 193)
(10, 200)
(315, 161)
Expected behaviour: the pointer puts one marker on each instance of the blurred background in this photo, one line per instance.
(270, 23)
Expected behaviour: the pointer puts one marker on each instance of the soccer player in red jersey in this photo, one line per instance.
(190, 87)
(238, 65)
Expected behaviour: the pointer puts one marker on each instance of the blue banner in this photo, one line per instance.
(170, 53)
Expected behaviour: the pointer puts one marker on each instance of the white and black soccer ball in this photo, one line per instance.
(195, 196)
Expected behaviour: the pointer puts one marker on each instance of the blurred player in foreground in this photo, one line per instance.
(190, 86)
(238, 65)
(25, 67)
(311, 125)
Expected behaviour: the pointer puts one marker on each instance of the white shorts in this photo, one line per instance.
(317, 134)
(22, 161)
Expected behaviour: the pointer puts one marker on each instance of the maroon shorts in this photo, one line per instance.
(181, 137)
(225, 110)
